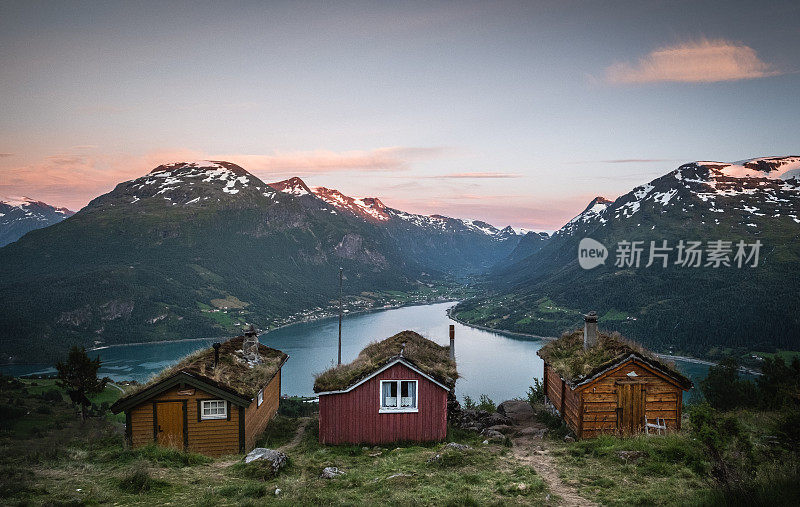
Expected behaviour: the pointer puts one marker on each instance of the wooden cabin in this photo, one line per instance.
(601, 383)
(396, 390)
(216, 401)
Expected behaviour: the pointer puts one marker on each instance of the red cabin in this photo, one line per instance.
(396, 390)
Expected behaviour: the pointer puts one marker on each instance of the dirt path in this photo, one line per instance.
(297, 437)
(534, 452)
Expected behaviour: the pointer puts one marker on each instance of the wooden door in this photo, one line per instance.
(170, 424)
(630, 407)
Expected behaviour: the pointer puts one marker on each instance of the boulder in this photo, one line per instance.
(519, 411)
(532, 431)
(492, 434)
(277, 459)
(569, 438)
(331, 472)
(497, 419)
(501, 428)
(457, 447)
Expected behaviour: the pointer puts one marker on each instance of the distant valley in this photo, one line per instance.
(699, 310)
(200, 248)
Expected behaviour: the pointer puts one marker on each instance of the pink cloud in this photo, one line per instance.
(703, 61)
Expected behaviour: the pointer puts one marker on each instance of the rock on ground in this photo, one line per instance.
(331, 472)
(519, 411)
(277, 459)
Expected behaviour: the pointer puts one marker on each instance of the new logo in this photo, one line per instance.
(591, 253)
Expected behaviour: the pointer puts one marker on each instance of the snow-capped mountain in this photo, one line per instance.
(18, 216)
(371, 209)
(705, 191)
(667, 302)
(194, 183)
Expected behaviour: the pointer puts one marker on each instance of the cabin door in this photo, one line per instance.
(170, 424)
(630, 407)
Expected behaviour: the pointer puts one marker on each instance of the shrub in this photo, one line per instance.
(138, 480)
(52, 395)
(486, 403)
(536, 393)
(724, 390)
(469, 403)
(162, 456)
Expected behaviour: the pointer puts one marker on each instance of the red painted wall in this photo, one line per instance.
(353, 417)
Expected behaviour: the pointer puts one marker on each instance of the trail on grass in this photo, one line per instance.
(301, 429)
(534, 451)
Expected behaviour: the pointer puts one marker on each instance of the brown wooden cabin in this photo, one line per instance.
(602, 383)
(211, 403)
(396, 390)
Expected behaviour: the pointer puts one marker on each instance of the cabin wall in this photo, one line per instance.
(354, 417)
(211, 437)
(570, 409)
(662, 399)
(256, 418)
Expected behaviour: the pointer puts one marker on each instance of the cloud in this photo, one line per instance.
(396, 158)
(703, 61)
(477, 175)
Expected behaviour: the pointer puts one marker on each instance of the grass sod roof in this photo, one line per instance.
(576, 365)
(430, 358)
(233, 371)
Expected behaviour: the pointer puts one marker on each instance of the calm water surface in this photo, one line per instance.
(489, 363)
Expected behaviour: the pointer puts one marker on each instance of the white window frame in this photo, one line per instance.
(260, 398)
(223, 415)
(396, 410)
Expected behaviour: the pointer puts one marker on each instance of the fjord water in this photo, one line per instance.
(498, 365)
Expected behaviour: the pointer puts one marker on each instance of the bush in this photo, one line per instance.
(724, 390)
(787, 429)
(486, 403)
(52, 395)
(162, 456)
(469, 403)
(138, 480)
(726, 444)
(536, 393)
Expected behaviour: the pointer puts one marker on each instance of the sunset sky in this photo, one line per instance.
(511, 112)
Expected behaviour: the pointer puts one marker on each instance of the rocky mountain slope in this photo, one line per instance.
(455, 246)
(675, 276)
(22, 215)
(194, 249)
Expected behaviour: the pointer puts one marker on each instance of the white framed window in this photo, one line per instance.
(398, 396)
(215, 409)
(260, 398)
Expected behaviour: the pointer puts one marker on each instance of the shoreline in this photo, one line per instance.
(686, 359)
(498, 331)
(301, 321)
(225, 337)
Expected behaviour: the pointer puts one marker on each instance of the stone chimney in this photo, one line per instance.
(250, 345)
(453, 342)
(589, 330)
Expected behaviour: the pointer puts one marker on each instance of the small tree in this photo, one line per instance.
(78, 375)
(724, 390)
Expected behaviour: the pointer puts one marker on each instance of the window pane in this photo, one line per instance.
(389, 394)
(408, 394)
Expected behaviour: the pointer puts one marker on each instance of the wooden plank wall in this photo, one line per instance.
(211, 437)
(662, 399)
(256, 418)
(354, 417)
(571, 400)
